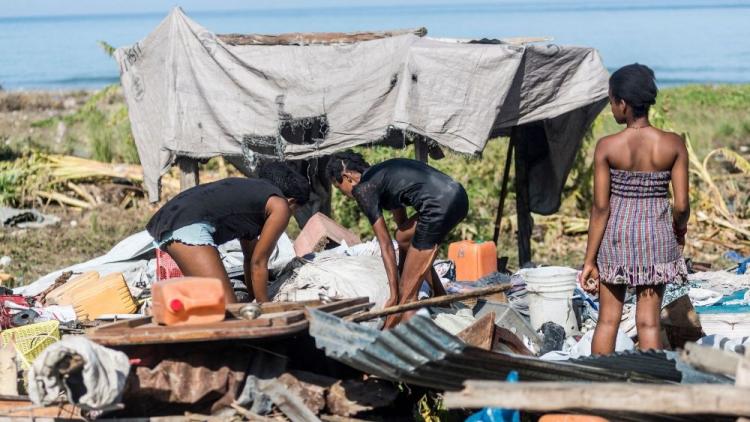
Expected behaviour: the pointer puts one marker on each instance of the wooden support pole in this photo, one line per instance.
(188, 172)
(421, 150)
(320, 38)
(668, 399)
(441, 300)
(503, 192)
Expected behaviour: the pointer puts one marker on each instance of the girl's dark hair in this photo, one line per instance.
(292, 184)
(342, 161)
(636, 85)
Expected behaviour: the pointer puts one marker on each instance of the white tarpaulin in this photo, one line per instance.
(190, 94)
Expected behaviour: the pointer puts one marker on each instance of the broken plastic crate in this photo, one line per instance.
(31, 340)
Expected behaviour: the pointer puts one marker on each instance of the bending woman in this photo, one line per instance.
(191, 225)
(634, 239)
(441, 203)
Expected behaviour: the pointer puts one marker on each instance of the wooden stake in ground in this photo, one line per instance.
(441, 300)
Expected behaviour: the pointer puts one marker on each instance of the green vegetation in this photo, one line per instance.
(713, 116)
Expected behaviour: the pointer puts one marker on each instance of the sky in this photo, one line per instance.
(20, 8)
(17, 8)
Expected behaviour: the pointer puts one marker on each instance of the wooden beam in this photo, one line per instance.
(188, 172)
(421, 150)
(433, 301)
(302, 38)
(669, 399)
(712, 360)
(503, 193)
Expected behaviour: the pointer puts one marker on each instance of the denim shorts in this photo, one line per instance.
(196, 234)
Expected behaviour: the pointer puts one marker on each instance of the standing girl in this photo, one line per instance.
(634, 239)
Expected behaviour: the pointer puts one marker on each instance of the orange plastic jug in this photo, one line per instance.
(473, 260)
(188, 301)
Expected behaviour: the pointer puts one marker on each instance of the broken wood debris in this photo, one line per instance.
(642, 398)
(302, 38)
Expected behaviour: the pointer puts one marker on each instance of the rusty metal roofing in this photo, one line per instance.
(421, 353)
(662, 364)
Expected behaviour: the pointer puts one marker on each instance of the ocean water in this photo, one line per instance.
(684, 41)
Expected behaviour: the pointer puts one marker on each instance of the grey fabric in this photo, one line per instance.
(190, 94)
(99, 385)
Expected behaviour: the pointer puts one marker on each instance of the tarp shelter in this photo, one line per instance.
(192, 93)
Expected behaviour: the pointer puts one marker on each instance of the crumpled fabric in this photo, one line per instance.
(582, 348)
(104, 375)
(703, 297)
(25, 218)
(335, 276)
(458, 95)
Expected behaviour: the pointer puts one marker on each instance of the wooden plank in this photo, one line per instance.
(503, 193)
(441, 300)
(268, 325)
(670, 399)
(481, 333)
(233, 309)
(711, 360)
(22, 407)
(421, 150)
(302, 38)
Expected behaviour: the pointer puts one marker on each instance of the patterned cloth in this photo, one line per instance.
(639, 246)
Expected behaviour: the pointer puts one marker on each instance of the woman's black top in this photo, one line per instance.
(236, 207)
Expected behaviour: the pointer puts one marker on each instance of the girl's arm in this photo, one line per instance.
(599, 215)
(681, 207)
(248, 246)
(276, 222)
(389, 258)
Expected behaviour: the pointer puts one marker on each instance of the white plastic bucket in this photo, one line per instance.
(550, 293)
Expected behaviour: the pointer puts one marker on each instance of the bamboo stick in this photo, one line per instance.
(63, 199)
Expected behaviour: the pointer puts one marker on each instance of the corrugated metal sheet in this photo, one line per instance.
(662, 364)
(653, 363)
(421, 353)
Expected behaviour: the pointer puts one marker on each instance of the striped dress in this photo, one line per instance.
(639, 246)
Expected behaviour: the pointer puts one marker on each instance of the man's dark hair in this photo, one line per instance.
(342, 161)
(292, 184)
(636, 85)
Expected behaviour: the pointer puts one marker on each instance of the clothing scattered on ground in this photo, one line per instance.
(639, 247)
(103, 376)
(25, 218)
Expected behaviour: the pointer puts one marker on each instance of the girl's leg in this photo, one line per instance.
(404, 234)
(416, 266)
(611, 297)
(201, 261)
(647, 316)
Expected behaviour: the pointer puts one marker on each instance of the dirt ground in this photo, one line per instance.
(80, 236)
